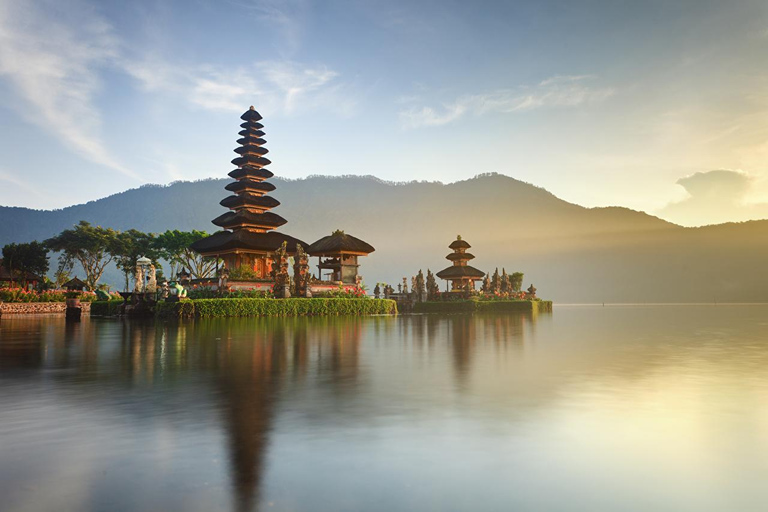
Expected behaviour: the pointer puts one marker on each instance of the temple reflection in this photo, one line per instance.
(249, 370)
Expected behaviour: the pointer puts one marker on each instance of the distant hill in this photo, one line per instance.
(571, 253)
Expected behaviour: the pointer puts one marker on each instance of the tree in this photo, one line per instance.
(23, 259)
(91, 246)
(516, 281)
(173, 246)
(433, 289)
(63, 270)
(130, 245)
(420, 285)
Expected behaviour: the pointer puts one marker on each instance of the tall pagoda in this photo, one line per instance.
(248, 239)
(461, 275)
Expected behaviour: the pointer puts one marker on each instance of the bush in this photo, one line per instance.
(209, 308)
(207, 292)
(184, 308)
(106, 307)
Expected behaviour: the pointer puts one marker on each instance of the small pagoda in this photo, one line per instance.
(461, 276)
(339, 252)
(248, 240)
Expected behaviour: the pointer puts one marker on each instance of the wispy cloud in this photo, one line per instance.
(53, 66)
(277, 86)
(558, 91)
(288, 17)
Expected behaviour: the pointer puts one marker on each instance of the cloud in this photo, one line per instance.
(276, 86)
(715, 197)
(558, 91)
(53, 66)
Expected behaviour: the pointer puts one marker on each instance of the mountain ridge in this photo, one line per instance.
(572, 253)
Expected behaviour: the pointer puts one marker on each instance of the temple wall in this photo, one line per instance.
(37, 308)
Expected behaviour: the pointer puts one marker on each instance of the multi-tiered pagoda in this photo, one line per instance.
(461, 275)
(248, 239)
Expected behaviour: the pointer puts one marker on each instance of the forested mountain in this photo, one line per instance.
(571, 253)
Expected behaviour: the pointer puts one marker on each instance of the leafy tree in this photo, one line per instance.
(420, 285)
(516, 281)
(23, 259)
(173, 246)
(91, 246)
(63, 270)
(433, 289)
(129, 246)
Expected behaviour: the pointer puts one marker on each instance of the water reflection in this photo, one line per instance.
(410, 413)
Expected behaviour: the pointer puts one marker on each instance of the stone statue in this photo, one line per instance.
(138, 277)
(405, 285)
(152, 282)
(531, 292)
(376, 291)
(164, 290)
(301, 273)
(223, 280)
(280, 273)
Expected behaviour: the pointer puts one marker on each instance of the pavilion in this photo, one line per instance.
(341, 252)
(461, 276)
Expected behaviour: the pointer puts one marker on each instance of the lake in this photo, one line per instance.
(631, 408)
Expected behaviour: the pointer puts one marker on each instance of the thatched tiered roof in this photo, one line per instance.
(249, 223)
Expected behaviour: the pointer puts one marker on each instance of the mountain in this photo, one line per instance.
(571, 253)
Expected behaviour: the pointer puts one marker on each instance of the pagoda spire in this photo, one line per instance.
(249, 205)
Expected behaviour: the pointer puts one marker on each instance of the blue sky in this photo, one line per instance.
(600, 102)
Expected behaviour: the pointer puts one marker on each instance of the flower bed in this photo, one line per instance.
(22, 295)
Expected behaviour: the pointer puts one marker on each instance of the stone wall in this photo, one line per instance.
(34, 308)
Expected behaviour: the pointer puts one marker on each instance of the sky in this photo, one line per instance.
(660, 106)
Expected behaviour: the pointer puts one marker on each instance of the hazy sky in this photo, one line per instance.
(600, 102)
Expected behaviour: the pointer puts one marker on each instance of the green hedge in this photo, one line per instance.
(181, 309)
(490, 306)
(105, 307)
(292, 307)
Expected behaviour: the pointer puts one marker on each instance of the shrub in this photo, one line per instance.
(184, 308)
(106, 307)
(242, 273)
(292, 307)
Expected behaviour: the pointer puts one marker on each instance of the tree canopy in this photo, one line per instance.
(91, 246)
(20, 260)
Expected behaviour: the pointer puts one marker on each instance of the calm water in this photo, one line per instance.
(590, 408)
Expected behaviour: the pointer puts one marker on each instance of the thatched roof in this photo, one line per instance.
(251, 149)
(249, 140)
(459, 244)
(246, 240)
(460, 272)
(249, 200)
(74, 284)
(243, 184)
(251, 130)
(251, 172)
(251, 115)
(455, 256)
(266, 220)
(339, 242)
(256, 161)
